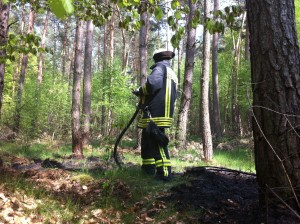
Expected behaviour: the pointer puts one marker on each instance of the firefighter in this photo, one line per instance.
(158, 97)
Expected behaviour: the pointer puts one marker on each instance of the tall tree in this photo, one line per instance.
(65, 48)
(143, 58)
(20, 56)
(235, 107)
(78, 60)
(40, 63)
(275, 72)
(87, 83)
(215, 79)
(186, 96)
(24, 64)
(4, 16)
(204, 111)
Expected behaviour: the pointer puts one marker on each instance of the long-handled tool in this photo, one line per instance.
(116, 156)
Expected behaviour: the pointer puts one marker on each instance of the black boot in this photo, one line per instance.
(164, 173)
(149, 169)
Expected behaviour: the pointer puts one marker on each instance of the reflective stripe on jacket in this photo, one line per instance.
(159, 94)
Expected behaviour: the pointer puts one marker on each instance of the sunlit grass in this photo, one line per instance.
(238, 159)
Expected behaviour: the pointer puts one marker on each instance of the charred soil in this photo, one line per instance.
(204, 195)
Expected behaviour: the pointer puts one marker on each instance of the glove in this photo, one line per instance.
(136, 92)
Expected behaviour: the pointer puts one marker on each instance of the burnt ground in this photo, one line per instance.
(222, 195)
(207, 194)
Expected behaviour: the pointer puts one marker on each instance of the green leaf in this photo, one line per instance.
(175, 4)
(158, 13)
(171, 21)
(177, 15)
(227, 9)
(61, 8)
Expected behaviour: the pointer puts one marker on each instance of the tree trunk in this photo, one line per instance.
(20, 56)
(215, 81)
(78, 60)
(143, 62)
(65, 47)
(103, 96)
(124, 53)
(71, 60)
(247, 42)
(275, 70)
(99, 53)
(206, 133)
(188, 78)
(110, 77)
(4, 16)
(40, 63)
(54, 63)
(87, 83)
(22, 75)
(235, 113)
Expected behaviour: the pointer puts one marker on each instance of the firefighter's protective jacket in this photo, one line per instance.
(158, 95)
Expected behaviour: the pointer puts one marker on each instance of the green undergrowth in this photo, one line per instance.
(143, 190)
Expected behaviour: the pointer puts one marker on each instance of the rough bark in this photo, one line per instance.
(215, 81)
(187, 84)
(87, 83)
(204, 116)
(4, 16)
(143, 49)
(143, 60)
(78, 60)
(275, 71)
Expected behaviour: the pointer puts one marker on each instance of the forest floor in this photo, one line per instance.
(31, 188)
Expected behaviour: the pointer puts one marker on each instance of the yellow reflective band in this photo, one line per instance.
(162, 164)
(148, 161)
(159, 121)
(151, 159)
(167, 97)
(162, 154)
(166, 171)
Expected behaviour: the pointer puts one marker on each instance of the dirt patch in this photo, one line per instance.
(219, 195)
(209, 195)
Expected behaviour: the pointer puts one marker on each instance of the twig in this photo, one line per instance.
(286, 204)
(274, 151)
(229, 170)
